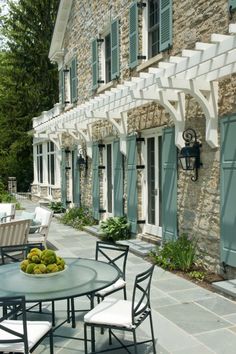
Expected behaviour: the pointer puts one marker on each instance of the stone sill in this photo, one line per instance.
(105, 87)
(150, 62)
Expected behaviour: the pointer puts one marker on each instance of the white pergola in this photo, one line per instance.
(196, 72)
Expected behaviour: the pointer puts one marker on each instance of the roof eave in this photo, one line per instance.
(59, 29)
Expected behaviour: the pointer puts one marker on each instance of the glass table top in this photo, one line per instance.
(82, 277)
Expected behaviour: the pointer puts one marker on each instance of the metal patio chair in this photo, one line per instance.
(21, 336)
(123, 315)
(117, 256)
(16, 253)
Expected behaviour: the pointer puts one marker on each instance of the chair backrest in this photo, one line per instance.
(43, 215)
(11, 307)
(141, 295)
(9, 209)
(113, 254)
(17, 253)
(14, 232)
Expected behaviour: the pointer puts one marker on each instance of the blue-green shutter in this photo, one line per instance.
(76, 177)
(63, 178)
(118, 184)
(94, 64)
(169, 185)
(73, 80)
(62, 85)
(228, 190)
(133, 35)
(165, 24)
(132, 196)
(232, 3)
(115, 67)
(96, 188)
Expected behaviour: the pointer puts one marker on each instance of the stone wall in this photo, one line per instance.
(193, 21)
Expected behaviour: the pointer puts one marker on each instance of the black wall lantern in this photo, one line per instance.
(82, 160)
(189, 155)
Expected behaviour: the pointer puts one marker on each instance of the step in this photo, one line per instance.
(138, 247)
(155, 240)
(226, 287)
(93, 230)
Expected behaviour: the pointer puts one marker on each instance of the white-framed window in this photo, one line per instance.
(151, 29)
(51, 162)
(68, 82)
(105, 55)
(39, 154)
(156, 29)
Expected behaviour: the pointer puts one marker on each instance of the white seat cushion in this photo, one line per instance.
(35, 330)
(111, 312)
(119, 284)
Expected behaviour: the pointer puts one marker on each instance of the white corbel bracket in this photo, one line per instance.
(176, 109)
(174, 103)
(208, 100)
(56, 139)
(206, 94)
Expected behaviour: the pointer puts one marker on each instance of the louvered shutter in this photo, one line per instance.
(169, 185)
(96, 187)
(233, 4)
(133, 35)
(228, 191)
(94, 64)
(118, 184)
(165, 24)
(132, 197)
(62, 86)
(115, 70)
(76, 177)
(73, 80)
(63, 178)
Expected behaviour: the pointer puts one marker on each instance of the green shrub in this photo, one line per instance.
(115, 228)
(197, 275)
(6, 197)
(57, 207)
(78, 217)
(179, 254)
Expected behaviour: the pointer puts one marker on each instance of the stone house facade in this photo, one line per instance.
(133, 76)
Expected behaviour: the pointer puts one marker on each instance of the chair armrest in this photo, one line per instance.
(4, 218)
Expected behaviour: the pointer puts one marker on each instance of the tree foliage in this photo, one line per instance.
(28, 83)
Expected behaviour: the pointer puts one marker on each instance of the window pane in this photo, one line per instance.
(108, 57)
(151, 179)
(153, 28)
(52, 170)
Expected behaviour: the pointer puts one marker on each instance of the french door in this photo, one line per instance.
(108, 176)
(152, 184)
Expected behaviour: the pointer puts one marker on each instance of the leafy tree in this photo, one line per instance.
(28, 82)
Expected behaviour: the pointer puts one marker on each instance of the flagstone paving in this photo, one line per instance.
(187, 318)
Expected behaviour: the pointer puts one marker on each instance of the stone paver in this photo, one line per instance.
(187, 318)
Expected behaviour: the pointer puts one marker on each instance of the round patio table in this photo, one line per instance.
(82, 277)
